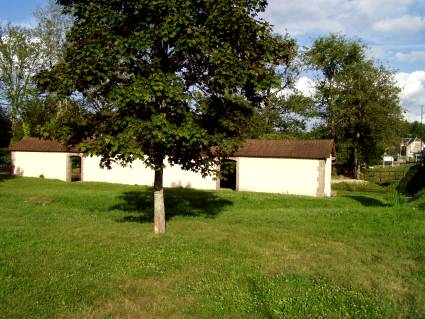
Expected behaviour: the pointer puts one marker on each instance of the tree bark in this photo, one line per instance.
(159, 207)
(356, 158)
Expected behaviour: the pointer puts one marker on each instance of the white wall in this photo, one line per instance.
(33, 164)
(276, 175)
(413, 148)
(138, 174)
(328, 176)
(174, 176)
(287, 176)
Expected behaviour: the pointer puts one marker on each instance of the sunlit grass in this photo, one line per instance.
(87, 250)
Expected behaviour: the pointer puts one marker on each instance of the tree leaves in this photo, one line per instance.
(358, 100)
(177, 77)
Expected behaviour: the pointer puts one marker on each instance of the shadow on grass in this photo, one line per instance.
(257, 293)
(367, 201)
(418, 200)
(178, 202)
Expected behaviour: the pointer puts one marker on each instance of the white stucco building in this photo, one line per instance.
(409, 147)
(274, 166)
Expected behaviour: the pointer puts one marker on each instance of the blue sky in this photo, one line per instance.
(19, 11)
(394, 30)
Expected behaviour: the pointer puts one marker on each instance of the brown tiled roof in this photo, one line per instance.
(33, 144)
(307, 149)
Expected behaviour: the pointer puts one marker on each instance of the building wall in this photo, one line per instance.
(275, 175)
(35, 164)
(328, 176)
(138, 174)
(286, 176)
(413, 148)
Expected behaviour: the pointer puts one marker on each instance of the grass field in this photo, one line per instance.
(87, 250)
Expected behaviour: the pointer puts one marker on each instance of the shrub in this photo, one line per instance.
(413, 181)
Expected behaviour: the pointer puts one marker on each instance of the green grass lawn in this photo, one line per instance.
(87, 250)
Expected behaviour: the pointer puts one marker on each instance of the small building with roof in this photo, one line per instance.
(410, 147)
(272, 166)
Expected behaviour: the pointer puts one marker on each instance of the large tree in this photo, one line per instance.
(19, 60)
(23, 53)
(51, 28)
(357, 98)
(162, 80)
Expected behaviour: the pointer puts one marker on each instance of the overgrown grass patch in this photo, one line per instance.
(359, 187)
(87, 250)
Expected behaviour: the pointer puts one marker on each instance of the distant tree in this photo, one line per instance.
(19, 60)
(357, 99)
(330, 56)
(23, 53)
(369, 114)
(51, 28)
(166, 80)
(283, 116)
(5, 129)
(415, 129)
(285, 111)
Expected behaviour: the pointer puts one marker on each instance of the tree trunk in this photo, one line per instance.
(159, 207)
(356, 159)
(358, 171)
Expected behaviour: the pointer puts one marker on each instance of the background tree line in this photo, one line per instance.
(25, 51)
(355, 100)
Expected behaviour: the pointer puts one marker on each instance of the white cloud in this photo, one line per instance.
(377, 52)
(410, 56)
(382, 8)
(412, 92)
(300, 17)
(344, 16)
(403, 24)
(387, 26)
(305, 85)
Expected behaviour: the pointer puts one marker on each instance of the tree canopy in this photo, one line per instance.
(166, 80)
(19, 60)
(414, 129)
(23, 53)
(358, 100)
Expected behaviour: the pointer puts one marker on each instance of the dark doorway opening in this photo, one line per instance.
(228, 174)
(75, 168)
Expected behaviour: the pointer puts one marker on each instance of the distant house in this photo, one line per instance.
(411, 146)
(274, 166)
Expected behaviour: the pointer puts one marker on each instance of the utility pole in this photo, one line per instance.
(422, 129)
(422, 134)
